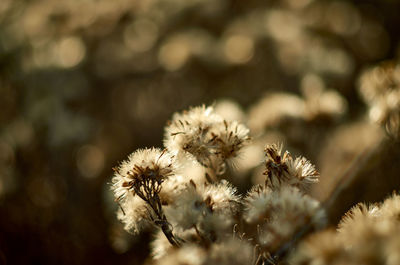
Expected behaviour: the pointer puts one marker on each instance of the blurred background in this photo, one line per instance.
(83, 83)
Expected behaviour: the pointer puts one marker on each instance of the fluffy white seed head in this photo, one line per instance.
(209, 208)
(134, 214)
(359, 215)
(290, 211)
(190, 133)
(138, 180)
(258, 203)
(142, 165)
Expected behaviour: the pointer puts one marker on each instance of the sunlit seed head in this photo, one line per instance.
(209, 208)
(191, 132)
(135, 214)
(258, 204)
(290, 211)
(357, 216)
(142, 166)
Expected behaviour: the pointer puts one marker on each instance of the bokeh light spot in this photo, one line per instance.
(70, 51)
(90, 161)
(239, 49)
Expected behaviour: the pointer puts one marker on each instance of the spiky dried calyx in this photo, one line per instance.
(284, 170)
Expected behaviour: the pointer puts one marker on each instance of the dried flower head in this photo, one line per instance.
(284, 170)
(367, 238)
(210, 139)
(275, 164)
(367, 234)
(291, 210)
(258, 204)
(143, 173)
(358, 215)
(208, 208)
(141, 176)
(390, 208)
(303, 172)
(135, 214)
(229, 139)
(190, 132)
(380, 88)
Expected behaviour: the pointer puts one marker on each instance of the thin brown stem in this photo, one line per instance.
(166, 228)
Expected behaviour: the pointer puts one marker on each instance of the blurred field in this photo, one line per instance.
(84, 83)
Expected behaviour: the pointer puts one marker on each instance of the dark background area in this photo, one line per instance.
(84, 83)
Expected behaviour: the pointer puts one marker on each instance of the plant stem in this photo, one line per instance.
(166, 228)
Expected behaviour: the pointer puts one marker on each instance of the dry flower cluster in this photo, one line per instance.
(182, 192)
(287, 70)
(202, 219)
